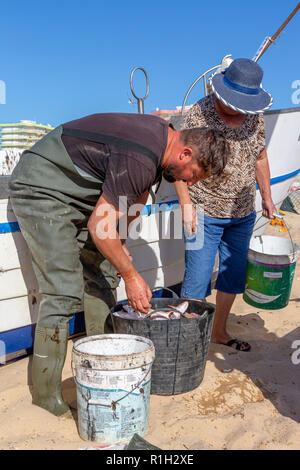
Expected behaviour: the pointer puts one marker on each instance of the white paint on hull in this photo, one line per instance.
(160, 262)
(18, 312)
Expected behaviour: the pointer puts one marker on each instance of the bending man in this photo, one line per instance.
(65, 191)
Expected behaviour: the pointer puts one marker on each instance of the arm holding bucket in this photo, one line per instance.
(262, 174)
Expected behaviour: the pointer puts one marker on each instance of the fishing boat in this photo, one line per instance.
(157, 250)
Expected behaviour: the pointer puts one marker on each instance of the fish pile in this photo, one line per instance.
(168, 313)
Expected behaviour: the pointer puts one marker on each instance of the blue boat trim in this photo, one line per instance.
(23, 338)
(9, 227)
(120, 390)
(160, 207)
(17, 339)
(279, 179)
(166, 206)
(20, 339)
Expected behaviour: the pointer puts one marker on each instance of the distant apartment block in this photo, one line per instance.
(22, 135)
(167, 114)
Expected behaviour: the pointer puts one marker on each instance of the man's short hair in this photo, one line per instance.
(210, 147)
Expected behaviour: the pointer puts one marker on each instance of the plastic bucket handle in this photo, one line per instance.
(281, 217)
(174, 295)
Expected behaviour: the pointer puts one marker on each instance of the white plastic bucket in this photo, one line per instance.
(113, 378)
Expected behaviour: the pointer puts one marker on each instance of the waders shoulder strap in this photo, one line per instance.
(113, 140)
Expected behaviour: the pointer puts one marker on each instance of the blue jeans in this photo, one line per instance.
(231, 237)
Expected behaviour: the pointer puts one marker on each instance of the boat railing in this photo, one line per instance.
(224, 64)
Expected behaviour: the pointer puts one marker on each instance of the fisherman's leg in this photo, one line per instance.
(199, 262)
(232, 273)
(50, 348)
(47, 227)
(100, 284)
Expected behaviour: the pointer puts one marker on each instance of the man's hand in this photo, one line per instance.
(138, 291)
(268, 209)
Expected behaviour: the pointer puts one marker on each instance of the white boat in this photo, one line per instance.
(159, 258)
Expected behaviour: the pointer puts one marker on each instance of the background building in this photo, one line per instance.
(15, 138)
(167, 114)
(22, 135)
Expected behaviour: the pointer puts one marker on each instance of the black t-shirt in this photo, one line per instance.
(125, 172)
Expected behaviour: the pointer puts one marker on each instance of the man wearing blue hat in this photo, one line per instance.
(236, 108)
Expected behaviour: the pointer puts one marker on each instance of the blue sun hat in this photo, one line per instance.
(239, 87)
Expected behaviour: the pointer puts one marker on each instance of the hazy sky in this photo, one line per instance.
(64, 59)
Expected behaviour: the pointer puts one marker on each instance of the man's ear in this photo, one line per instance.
(187, 154)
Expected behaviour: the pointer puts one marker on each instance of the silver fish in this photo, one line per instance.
(157, 317)
(181, 307)
(130, 313)
(131, 310)
(127, 316)
(165, 315)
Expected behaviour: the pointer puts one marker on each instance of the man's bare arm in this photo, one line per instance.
(102, 227)
(141, 201)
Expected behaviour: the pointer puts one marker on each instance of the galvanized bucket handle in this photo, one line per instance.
(113, 404)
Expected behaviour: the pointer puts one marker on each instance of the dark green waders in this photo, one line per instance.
(53, 202)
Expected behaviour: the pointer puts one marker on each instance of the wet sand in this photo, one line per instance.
(246, 400)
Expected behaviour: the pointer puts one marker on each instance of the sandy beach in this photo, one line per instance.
(246, 400)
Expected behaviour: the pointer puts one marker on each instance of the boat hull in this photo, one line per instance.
(158, 255)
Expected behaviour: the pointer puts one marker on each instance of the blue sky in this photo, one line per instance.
(61, 60)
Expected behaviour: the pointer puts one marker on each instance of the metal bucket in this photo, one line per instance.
(181, 346)
(270, 271)
(112, 375)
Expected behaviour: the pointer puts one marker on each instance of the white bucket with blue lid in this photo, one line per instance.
(113, 379)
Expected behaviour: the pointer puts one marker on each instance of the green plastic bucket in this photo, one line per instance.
(270, 271)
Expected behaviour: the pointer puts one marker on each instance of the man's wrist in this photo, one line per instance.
(129, 273)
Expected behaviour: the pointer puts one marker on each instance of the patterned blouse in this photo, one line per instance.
(233, 193)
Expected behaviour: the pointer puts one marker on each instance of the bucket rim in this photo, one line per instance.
(109, 357)
(209, 311)
(293, 246)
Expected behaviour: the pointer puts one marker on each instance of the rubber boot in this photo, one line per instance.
(50, 348)
(97, 310)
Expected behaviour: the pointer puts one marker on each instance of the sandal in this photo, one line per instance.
(240, 345)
